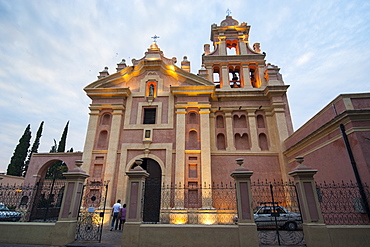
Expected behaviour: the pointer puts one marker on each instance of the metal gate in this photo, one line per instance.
(47, 200)
(277, 213)
(91, 214)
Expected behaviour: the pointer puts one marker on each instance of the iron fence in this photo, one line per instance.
(341, 203)
(18, 198)
(40, 202)
(212, 204)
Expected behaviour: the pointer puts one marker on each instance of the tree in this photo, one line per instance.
(56, 170)
(34, 148)
(17, 162)
(63, 139)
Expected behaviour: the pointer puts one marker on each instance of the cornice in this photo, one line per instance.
(329, 127)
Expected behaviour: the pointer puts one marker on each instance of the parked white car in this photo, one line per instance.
(7, 215)
(269, 215)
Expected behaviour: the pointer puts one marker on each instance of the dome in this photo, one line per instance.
(229, 21)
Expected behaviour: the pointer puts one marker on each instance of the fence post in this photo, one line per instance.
(135, 204)
(248, 235)
(68, 214)
(315, 231)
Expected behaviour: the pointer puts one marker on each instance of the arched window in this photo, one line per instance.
(221, 142)
(106, 119)
(262, 140)
(260, 121)
(103, 140)
(242, 142)
(219, 122)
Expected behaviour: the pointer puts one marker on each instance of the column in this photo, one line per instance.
(111, 161)
(253, 131)
(135, 203)
(205, 155)
(315, 231)
(248, 235)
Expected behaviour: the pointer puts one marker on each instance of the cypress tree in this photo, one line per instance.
(17, 162)
(63, 139)
(56, 170)
(34, 148)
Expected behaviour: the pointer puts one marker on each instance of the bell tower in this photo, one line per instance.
(232, 63)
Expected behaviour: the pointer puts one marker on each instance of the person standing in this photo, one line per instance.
(122, 217)
(115, 210)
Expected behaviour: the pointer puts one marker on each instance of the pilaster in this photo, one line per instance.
(110, 165)
(180, 146)
(205, 153)
(253, 131)
(225, 83)
(230, 147)
(246, 77)
(90, 138)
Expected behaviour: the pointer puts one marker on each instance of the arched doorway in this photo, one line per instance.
(152, 193)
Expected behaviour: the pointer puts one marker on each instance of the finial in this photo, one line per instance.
(138, 163)
(239, 161)
(228, 12)
(299, 159)
(155, 37)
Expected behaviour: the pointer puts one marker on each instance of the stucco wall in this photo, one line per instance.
(189, 235)
(354, 236)
(32, 233)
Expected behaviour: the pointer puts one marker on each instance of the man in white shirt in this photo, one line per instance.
(115, 210)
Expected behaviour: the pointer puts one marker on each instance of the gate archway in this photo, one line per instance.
(152, 193)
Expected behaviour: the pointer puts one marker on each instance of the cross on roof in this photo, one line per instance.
(155, 37)
(228, 11)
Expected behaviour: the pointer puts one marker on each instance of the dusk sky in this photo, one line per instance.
(51, 49)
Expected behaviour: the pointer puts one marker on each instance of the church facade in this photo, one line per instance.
(189, 128)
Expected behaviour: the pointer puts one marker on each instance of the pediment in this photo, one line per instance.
(123, 78)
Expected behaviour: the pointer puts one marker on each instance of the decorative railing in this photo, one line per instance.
(40, 202)
(211, 205)
(342, 204)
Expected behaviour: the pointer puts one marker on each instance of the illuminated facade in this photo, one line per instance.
(189, 128)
